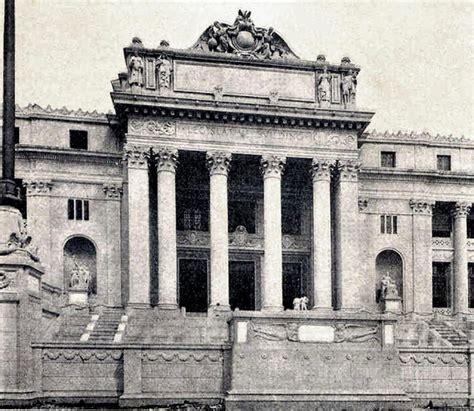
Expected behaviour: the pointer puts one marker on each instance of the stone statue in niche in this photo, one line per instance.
(301, 303)
(135, 66)
(80, 276)
(349, 86)
(354, 333)
(324, 88)
(164, 72)
(388, 287)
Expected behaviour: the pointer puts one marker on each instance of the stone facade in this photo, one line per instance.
(232, 179)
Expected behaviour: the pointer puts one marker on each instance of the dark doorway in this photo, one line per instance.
(193, 285)
(441, 285)
(292, 283)
(242, 285)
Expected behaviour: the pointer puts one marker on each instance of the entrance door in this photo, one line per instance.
(242, 285)
(292, 283)
(193, 284)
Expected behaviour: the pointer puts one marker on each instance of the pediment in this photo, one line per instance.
(244, 39)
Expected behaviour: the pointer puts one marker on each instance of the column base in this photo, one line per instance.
(167, 306)
(137, 306)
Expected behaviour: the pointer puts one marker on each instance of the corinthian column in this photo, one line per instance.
(350, 282)
(218, 163)
(422, 257)
(461, 282)
(138, 225)
(272, 275)
(322, 282)
(166, 160)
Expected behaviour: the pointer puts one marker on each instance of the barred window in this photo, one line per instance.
(389, 224)
(443, 162)
(78, 209)
(388, 159)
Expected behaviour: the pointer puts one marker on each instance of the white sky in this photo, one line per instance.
(417, 58)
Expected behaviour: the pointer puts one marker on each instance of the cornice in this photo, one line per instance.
(416, 138)
(132, 104)
(34, 110)
(371, 172)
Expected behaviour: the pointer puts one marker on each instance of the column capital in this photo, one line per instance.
(218, 162)
(136, 156)
(165, 159)
(461, 209)
(424, 207)
(321, 169)
(348, 169)
(363, 203)
(38, 187)
(112, 191)
(272, 165)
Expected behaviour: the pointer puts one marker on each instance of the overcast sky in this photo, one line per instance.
(417, 58)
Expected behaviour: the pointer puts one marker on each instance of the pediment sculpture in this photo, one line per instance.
(244, 39)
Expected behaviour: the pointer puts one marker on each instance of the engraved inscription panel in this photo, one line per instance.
(238, 81)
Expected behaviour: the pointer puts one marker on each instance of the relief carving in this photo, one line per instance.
(153, 127)
(349, 87)
(324, 89)
(113, 191)
(355, 333)
(272, 165)
(461, 209)
(5, 280)
(136, 156)
(135, 74)
(218, 162)
(348, 169)
(422, 206)
(166, 159)
(180, 357)
(165, 69)
(38, 187)
(244, 39)
(80, 276)
(20, 241)
(274, 332)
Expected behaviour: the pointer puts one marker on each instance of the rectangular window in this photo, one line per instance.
(78, 139)
(388, 159)
(444, 162)
(77, 209)
(441, 285)
(388, 224)
(242, 213)
(17, 135)
(441, 220)
(470, 268)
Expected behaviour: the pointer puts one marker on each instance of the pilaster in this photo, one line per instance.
(321, 246)
(139, 231)
(166, 161)
(272, 274)
(218, 164)
(422, 255)
(460, 269)
(113, 196)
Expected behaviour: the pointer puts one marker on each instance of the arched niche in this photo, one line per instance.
(391, 263)
(80, 252)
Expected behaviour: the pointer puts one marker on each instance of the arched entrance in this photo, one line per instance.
(391, 263)
(80, 257)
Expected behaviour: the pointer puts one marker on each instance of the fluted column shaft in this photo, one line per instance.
(138, 225)
(350, 282)
(461, 281)
(422, 256)
(218, 164)
(272, 274)
(166, 160)
(322, 281)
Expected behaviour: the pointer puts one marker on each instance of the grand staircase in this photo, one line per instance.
(106, 326)
(448, 332)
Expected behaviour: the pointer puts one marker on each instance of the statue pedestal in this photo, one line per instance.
(393, 305)
(78, 297)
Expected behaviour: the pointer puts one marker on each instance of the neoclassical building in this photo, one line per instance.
(231, 235)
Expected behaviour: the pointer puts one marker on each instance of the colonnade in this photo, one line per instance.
(166, 161)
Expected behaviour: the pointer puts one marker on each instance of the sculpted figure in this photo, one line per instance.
(135, 66)
(324, 88)
(297, 304)
(349, 84)
(80, 276)
(354, 333)
(388, 287)
(164, 72)
(304, 303)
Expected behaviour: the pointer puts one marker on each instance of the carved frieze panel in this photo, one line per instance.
(181, 356)
(433, 358)
(241, 135)
(81, 355)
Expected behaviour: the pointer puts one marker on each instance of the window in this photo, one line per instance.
(78, 209)
(78, 139)
(192, 214)
(242, 213)
(388, 159)
(17, 135)
(441, 285)
(441, 220)
(444, 163)
(388, 224)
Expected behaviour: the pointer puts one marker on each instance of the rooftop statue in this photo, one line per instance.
(244, 39)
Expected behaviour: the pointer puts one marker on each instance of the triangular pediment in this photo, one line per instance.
(244, 39)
